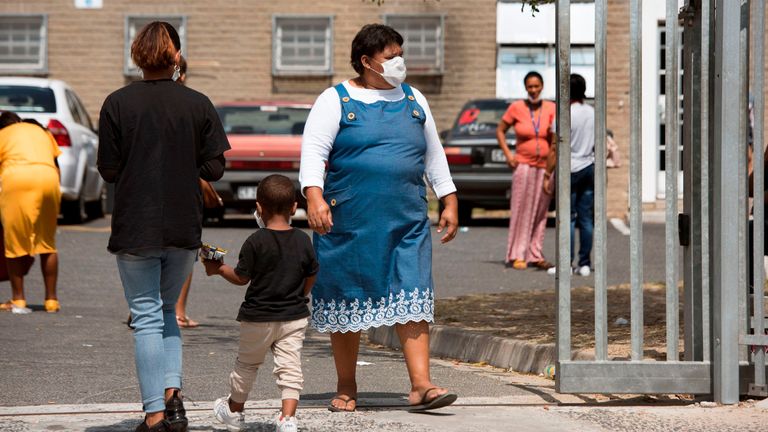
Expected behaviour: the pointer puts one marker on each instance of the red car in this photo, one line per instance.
(265, 139)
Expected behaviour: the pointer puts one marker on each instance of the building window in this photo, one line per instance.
(302, 45)
(23, 43)
(514, 62)
(134, 24)
(423, 37)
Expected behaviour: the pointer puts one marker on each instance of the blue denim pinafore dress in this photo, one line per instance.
(376, 263)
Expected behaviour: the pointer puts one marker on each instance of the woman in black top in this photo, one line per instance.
(156, 139)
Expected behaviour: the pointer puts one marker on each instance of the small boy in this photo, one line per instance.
(280, 265)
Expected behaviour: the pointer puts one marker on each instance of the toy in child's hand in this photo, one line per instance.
(213, 253)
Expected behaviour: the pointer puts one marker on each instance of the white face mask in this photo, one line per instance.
(394, 71)
(259, 220)
(534, 100)
(176, 73)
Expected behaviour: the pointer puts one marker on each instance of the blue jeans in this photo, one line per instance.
(582, 212)
(152, 281)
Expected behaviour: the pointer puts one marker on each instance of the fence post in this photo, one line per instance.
(563, 36)
(726, 202)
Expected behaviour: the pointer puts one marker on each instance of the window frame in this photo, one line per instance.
(28, 69)
(440, 70)
(279, 70)
(129, 69)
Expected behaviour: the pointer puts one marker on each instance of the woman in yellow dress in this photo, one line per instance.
(29, 205)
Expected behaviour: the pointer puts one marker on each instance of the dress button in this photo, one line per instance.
(333, 202)
(351, 116)
(411, 98)
(416, 113)
(345, 99)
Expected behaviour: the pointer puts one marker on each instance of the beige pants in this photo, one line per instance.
(285, 339)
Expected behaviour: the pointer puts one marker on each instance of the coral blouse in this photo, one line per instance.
(533, 129)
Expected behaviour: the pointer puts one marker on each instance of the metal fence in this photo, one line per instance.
(724, 332)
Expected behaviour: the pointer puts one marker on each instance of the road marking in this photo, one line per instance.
(620, 226)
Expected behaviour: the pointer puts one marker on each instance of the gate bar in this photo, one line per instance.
(707, 93)
(744, 324)
(757, 86)
(672, 170)
(600, 215)
(563, 36)
(726, 202)
(635, 177)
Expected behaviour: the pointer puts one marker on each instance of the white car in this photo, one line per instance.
(54, 105)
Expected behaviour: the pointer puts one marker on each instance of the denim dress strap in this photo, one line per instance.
(414, 108)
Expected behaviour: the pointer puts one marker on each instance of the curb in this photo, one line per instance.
(464, 345)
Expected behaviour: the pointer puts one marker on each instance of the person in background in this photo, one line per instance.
(30, 198)
(369, 213)
(279, 264)
(156, 139)
(613, 156)
(181, 305)
(534, 159)
(582, 175)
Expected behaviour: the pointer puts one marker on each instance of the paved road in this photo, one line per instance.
(84, 354)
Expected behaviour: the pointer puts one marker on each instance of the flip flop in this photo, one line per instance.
(438, 402)
(186, 322)
(332, 408)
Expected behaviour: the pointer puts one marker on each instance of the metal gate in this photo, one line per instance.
(724, 329)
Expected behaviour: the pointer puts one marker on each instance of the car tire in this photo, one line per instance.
(73, 211)
(213, 217)
(465, 213)
(96, 209)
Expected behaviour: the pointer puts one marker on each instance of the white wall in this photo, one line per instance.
(653, 12)
(516, 26)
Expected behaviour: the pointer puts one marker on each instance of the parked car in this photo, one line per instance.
(477, 164)
(56, 106)
(265, 139)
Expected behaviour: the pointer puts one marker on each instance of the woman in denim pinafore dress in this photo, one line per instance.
(369, 214)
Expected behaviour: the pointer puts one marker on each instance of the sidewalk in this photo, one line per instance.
(537, 408)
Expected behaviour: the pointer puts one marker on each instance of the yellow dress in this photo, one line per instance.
(30, 194)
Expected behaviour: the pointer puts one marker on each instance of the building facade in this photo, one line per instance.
(293, 49)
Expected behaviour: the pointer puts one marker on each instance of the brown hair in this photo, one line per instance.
(8, 118)
(155, 46)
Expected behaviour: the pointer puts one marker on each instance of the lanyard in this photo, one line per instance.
(536, 127)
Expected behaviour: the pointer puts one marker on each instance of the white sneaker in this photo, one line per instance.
(286, 424)
(235, 421)
(585, 271)
(553, 271)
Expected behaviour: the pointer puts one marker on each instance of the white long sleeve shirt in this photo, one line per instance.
(323, 125)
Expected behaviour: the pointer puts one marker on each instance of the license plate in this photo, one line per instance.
(497, 155)
(246, 192)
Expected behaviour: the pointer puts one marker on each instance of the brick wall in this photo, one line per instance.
(229, 46)
(618, 103)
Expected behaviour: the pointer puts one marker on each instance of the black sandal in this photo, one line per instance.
(440, 401)
(332, 408)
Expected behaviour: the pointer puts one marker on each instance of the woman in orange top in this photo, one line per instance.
(531, 164)
(29, 205)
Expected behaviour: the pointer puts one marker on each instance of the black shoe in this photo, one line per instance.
(161, 426)
(175, 414)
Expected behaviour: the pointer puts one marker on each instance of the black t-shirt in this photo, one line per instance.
(157, 135)
(277, 263)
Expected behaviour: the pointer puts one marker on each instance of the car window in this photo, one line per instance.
(26, 99)
(479, 118)
(83, 112)
(263, 120)
(72, 105)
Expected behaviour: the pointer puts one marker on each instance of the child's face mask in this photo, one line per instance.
(259, 220)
